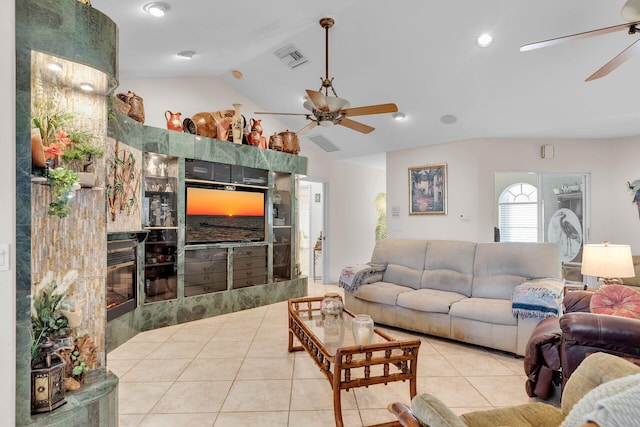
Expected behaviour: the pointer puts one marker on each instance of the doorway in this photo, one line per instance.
(312, 210)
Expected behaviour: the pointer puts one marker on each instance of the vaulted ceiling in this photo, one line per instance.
(420, 54)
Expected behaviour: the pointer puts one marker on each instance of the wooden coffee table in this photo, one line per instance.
(345, 364)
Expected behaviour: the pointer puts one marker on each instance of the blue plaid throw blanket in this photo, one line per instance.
(352, 277)
(538, 298)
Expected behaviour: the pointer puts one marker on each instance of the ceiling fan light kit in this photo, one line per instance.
(326, 110)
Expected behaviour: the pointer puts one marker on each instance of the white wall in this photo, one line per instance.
(7, 213)
(351, 190)
(471, 165)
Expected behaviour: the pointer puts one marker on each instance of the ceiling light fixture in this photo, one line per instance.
(187, 54)
(157, 9)
(54, 66)
(237, 74)
(87, 87)
(484, 40)
(399, 116)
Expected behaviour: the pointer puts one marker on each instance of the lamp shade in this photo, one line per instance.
(607, 261)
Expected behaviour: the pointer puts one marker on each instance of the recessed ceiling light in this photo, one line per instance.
(54, 66)
(484, 40)
(187, 54)
(399, 116)
(157, 9)
(237, 74)
(87, 87)
(448, 119)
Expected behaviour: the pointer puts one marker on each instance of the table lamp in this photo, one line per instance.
(607, 262)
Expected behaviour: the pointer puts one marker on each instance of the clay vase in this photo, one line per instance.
(202, 124)
(275, 142)
(173, 121)
(290, 141)
(237, 124)
(254, 138)
(256, 126)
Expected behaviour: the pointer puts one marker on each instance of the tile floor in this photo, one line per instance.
(234, 370)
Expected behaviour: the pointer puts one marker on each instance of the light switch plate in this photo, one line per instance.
(4, 256)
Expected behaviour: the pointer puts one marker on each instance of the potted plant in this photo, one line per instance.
(80, 155)
(47, 321)
(64, 183)
(78, 361)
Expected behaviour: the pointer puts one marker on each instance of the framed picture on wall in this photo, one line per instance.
(428, 190)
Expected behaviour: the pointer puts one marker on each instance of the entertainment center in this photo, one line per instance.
(219, 221)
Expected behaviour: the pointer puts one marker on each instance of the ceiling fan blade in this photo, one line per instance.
(352, 124)
(318, 100)
(616, 62)
(307, 128)
(370, 109)
(558, 40)
(281, 114)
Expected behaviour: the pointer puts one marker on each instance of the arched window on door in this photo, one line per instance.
(518, 213)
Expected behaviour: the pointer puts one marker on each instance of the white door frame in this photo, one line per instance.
(324, 255)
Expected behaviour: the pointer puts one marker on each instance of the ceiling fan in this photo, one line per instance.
(326, 110)
(630, 12)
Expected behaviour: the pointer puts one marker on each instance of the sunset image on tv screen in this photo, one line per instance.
(207, 201)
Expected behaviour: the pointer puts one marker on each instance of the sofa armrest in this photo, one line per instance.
(585, 333)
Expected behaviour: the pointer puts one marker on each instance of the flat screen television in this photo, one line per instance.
(228, 213)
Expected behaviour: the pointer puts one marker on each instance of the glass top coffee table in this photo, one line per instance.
(345, 364)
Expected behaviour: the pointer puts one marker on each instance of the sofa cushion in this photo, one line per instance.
(406, 252)
(429, 300)
(401, 275)
(499, 267)
(489, 310)
(449, 266)
(381, 292)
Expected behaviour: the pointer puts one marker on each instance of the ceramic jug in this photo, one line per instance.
(254, 138)
(256, 126)
(173, 121)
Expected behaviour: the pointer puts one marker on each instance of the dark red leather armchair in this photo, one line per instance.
(558, 345)
(584, 333)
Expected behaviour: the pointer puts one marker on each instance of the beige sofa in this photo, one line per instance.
(455, 289)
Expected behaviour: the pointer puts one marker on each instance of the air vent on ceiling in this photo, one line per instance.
(291, 56)
(323, 143)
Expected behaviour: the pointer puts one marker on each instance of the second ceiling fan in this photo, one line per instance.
(326, 110)
(630, 12)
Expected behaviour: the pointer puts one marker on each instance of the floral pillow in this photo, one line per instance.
(616, 300)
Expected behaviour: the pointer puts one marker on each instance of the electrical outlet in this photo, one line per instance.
(4, 256)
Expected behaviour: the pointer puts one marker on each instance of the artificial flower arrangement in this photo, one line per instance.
(67, 150)
(49, 322)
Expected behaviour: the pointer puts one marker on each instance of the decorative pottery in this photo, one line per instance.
(275, 142)
(202, 124)
(237, 124)
(254, 138)
(38, 159)
(362, 328)
(290, 142)
(256, 126)
(173, 121)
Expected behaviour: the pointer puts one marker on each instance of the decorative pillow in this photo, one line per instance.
(616, 300)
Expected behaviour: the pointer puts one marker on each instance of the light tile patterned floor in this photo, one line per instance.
(215, 373)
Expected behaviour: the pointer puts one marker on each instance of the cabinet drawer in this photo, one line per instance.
(190, 291)
(206, 254)
(200, 267)
(246, 278)
(249, 252)
(207, 278)
(245, 263)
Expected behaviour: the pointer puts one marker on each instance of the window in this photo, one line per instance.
(518, 213)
